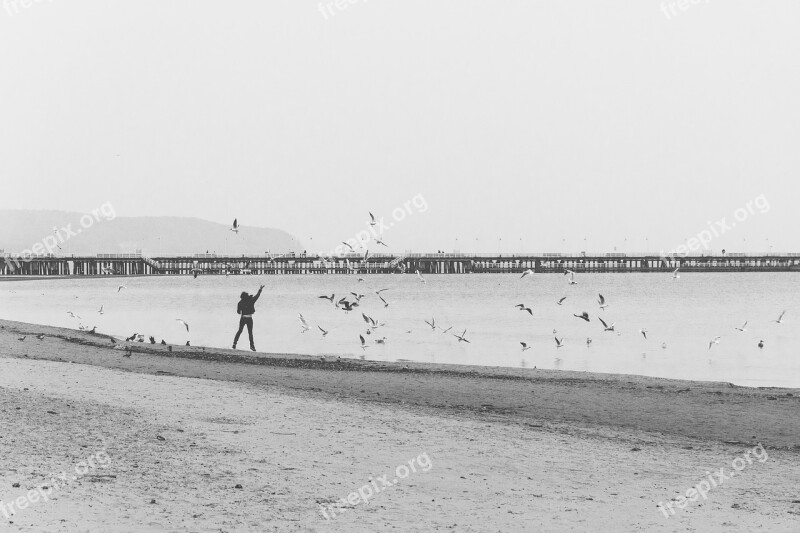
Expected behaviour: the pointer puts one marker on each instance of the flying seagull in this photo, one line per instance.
(351, 248)
(643, 332)
(184, 324)
(606, 327)
(303, 322)
(331, 297)
(522, 307)
(561, 301)
(525, 346)
(559, 343)
(602, 301)
(121, 287)
(713, 341)
(432, 323)
(742, 328)
(419, 276)
(462, 337)
(73, 315)
(235, 227)
(675, 274)
(780, 318)
(324, 332)
(380, 241)
(363, 342)
(100, 310)
(372, 219)
(526, 273)
(584, 316)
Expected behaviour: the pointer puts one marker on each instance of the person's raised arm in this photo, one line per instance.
(258, 293)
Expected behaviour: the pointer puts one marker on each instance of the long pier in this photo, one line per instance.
(354, 263)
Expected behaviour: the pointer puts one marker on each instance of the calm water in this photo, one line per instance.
(685, 314)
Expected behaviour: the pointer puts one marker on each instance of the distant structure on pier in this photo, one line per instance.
(352, 263)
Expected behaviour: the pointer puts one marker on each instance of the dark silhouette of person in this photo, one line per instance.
(246, 308)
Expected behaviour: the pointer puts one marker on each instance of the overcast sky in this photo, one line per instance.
(538, 123)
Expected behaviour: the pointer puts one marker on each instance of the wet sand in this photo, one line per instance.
(509, 449)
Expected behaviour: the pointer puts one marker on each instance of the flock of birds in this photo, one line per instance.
(353, 301)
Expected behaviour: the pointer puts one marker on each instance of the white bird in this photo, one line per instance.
(571, 279)
(643, 332)
(588, 341)
(559, 343)
(419, 276)
(522, 307)
(184, 324)
(432, 323)
(742, 328)
(235, 227)
(602, 301)
(380, 341)
(363, 342)
(462, 337)
(528, 272)
(303, 323)
(73, 315)
(606, 327)
(324, 332)
(561, 301)
(446, 330)
(380, 241)
(713, 341)
(121, 287)
(351, 248)
(675, 274)
(372, 219)
(525, 346)
(100, 310)
(780, 318)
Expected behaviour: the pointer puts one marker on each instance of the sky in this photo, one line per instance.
(536, 126)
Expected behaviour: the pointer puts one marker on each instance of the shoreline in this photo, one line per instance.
(710, 411)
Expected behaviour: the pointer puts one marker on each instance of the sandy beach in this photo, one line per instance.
(217, 440)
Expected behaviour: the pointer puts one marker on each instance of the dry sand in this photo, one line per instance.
(508, 450)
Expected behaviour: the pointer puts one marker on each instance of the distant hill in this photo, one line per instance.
(21, 229)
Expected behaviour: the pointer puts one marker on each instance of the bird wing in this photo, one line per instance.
(602, 322)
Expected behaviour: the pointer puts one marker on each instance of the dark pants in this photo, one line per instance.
(242, 323)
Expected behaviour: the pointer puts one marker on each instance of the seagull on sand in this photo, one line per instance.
(780, 318)
(561, 301)
(713, 341)
(132, 337)
(419, 276)
(528, 272)
(21, 338)
(643, 332)
(363, 342)
(559, 342)
(184, 323)
(742, 328)
(235, 227)
(606, 327)
(462, 337)
(583, 316)
(602, 301)
(525, 346)
(40, 337)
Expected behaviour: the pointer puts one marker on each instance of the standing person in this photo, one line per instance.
(246, 308)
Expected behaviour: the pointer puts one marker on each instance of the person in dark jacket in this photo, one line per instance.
(246, 308)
